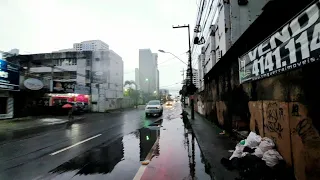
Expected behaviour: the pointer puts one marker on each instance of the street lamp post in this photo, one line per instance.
(147, 80)
(190, 65)
(162, 51)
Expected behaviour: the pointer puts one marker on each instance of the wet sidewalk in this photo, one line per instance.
(213, 145)
(17, 128)
(176, 152)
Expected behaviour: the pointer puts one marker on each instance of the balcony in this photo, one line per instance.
(56, 69)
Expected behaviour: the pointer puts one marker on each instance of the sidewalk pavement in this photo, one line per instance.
(213, 145)
(16, 128)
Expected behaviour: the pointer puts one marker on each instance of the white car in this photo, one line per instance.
(154, 107)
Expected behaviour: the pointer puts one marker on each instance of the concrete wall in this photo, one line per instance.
(284, 108)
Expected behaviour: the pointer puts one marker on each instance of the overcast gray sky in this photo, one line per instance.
(38, 26)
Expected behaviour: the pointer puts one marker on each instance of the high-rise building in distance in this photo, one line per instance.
(148, 71)
(91, 45)
(137, 78)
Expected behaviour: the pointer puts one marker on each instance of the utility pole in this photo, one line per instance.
(183, 82)
(189, 71)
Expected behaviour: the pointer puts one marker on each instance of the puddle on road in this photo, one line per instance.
(177, 152)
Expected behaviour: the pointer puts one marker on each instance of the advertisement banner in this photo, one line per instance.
(293, 46)
(9, 76)
(64, 87)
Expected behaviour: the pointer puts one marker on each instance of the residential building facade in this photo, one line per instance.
(99, 72)
(218, 26)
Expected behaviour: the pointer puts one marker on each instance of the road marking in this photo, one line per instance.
(142, 168)
(76, 144)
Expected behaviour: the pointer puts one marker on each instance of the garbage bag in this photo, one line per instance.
(248, 149)
(244, 154)
(258, 152)
(238, 151)
(266, 144)
(253, 140)
(272, 157)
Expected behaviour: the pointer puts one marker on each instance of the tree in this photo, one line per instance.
(134, 94)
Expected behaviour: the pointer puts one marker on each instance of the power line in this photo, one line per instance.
(161, 63)
(214, 9)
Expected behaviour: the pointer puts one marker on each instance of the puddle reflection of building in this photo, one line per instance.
(100, 160)
(191, 155)
(147, 139)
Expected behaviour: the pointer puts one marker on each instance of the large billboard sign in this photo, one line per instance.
(293, 46)
(9, 76)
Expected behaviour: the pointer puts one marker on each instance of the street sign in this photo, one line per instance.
(9, 76)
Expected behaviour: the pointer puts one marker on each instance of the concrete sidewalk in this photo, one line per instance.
(213, 146)
(17, 128)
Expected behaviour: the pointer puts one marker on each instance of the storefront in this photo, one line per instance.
(68, 91)
(9, 81)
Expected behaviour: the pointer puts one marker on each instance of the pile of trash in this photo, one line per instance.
(256, 158)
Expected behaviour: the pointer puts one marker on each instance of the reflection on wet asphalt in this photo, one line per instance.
(109, 161)
(174, 149)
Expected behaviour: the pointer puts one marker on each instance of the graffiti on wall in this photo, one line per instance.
(306, 132)
(274, 116)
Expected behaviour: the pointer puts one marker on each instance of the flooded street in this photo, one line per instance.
(168, 149)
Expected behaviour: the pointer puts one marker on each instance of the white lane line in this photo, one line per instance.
(142, 168)
(76, 144)
(140, 173)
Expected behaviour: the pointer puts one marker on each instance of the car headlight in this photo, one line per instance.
(158, 107)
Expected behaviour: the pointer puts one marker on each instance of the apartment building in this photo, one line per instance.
(219, 24)
(92, 45)
(95, 73)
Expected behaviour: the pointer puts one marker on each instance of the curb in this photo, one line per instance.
(210, 168)
(207, 165)
(11, 135)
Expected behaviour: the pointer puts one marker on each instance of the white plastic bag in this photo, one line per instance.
(244, 154)
(272, 157)
(258, 152)
(266, 144)
(253, 140)
(238, 152)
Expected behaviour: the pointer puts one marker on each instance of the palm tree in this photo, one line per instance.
(131, 82)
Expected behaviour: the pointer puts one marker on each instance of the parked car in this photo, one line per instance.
(154, 107)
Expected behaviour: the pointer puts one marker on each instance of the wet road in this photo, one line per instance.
(108, 146)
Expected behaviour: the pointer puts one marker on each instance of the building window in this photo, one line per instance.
(65, 62)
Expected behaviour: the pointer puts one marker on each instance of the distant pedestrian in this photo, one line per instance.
(70, 114)
(71, 110)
